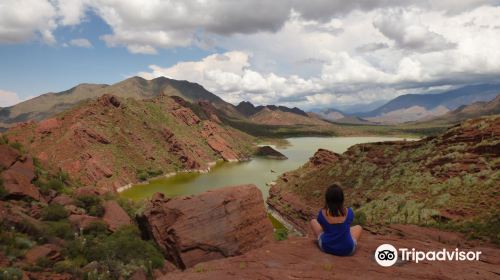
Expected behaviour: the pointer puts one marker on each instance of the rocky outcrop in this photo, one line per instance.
(7, 156)
(18, 178)
(269, 152)
(47, 251)
(114, 215)
(19, 218)
(219, 223)
(82, 222)
(300, 258)
(216, 141)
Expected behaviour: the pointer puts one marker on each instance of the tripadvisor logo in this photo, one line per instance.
(387, 255)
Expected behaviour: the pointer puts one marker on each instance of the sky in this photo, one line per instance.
(310, 54)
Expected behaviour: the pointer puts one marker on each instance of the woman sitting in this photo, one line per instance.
(332, 228)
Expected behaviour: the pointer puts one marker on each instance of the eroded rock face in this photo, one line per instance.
(219, 223)
(17, 179)
(49, 251)
(7, 156)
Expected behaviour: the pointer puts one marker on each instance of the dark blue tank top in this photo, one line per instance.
(336, 238)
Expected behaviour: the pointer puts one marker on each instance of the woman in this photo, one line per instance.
(332, 228)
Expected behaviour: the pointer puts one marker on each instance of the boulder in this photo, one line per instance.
(15, 216)
(49, 251)
(82, 221)
(63, 200)
(8, 156)
(215, 224)
(17, 179)
(269, 152)
(114, 215)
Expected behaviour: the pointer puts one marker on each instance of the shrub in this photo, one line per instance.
(143, 175)
(16, 145)
(61, 229)
(54, 212)
(11, 273)
(96, 228)
(281, 234)
(4, 140)
(123, 246)
(91, 204)
(359, 218)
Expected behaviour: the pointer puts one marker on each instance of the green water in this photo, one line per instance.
(258, 171)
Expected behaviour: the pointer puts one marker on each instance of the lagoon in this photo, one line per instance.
(258, 171)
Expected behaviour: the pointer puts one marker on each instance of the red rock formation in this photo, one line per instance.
(17, 179)
(114, 215)
(323, 157)
(300, 258)
(82, 221)
(8, 156)
(47, 126)
(219, 223)
(215, 140)
(48, 251)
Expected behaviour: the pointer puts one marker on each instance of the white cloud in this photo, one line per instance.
(405, 29)
(81, 42)
(8, 98)
(304, 53)
(24, 20)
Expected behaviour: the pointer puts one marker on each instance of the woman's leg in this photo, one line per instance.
(356, 232)
(316, 228)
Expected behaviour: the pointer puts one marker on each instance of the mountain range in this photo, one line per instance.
(417, 107)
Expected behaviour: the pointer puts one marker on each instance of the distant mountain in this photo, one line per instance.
(248, 109)
(268, 116)
(330, 114)
(50, 104)
(411, 107)
(474, 110)
(337, 116)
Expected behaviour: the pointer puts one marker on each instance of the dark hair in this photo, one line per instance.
(334, 200)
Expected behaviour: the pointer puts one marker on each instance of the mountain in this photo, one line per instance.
(50, 104)
(474, 110)
(436, 181)
(248, 109)
(269, 116)
(113, 141)
(337, 116)
(411, 107)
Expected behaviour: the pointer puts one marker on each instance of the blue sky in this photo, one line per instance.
(34, 67)
(310, 54)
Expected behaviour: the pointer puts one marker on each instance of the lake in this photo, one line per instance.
(258, 171)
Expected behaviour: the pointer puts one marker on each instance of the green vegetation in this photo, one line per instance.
(92, 205)
(117, 253)
(144, 175)
(11, 273)
(54, 212)
(280, 234)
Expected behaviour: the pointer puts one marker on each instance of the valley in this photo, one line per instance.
(141, 162)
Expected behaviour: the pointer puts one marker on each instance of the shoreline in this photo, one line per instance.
(171, 174)
(210, 165)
